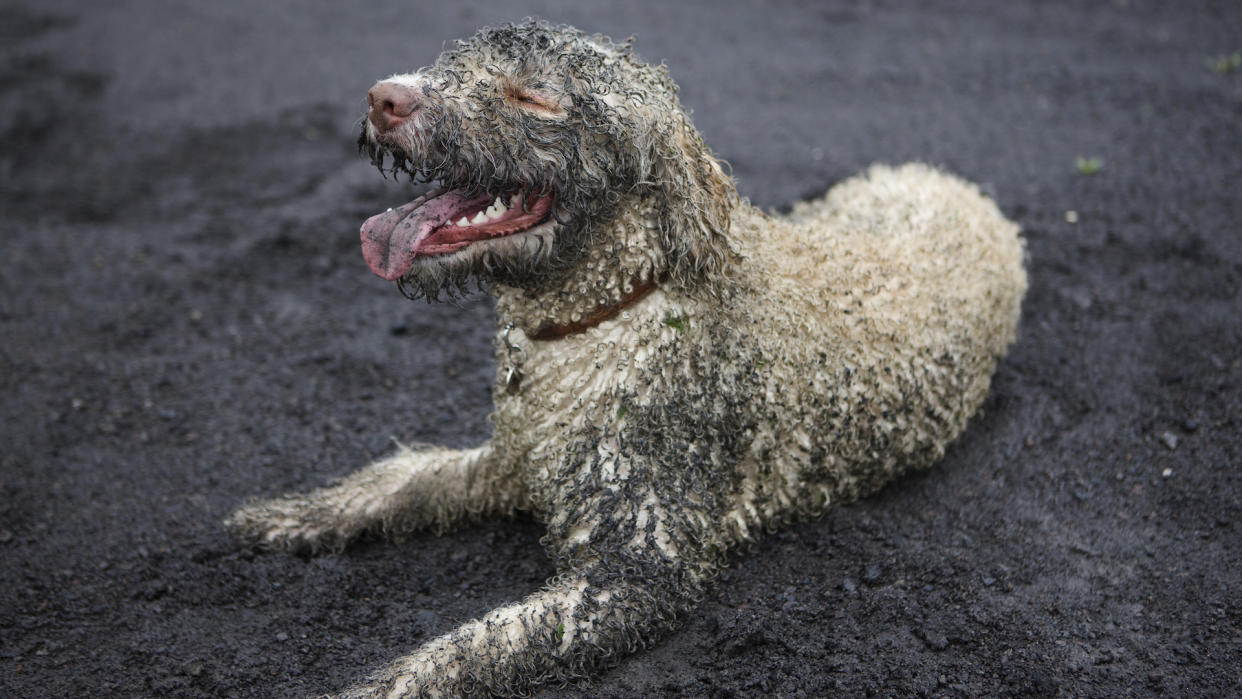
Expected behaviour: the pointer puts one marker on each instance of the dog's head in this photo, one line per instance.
(533, 136)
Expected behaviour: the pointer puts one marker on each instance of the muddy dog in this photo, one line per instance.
(677, 370)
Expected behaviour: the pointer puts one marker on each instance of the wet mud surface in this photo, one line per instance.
(186, 322)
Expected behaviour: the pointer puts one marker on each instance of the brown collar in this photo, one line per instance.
(553, 331)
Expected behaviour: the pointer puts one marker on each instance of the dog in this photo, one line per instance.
(677, 371)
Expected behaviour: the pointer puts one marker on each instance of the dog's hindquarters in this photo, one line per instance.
(884, 308)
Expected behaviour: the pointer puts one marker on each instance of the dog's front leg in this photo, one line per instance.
(410, 490)
(634, 549)
(580, 622)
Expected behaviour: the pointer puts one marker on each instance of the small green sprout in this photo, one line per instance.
(1226, 63)
(560, 631)
(1089, 165)
(622, 411)
(678, 323)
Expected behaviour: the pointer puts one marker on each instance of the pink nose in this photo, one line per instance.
(391, 105)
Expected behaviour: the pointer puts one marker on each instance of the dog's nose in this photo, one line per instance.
(391, 105)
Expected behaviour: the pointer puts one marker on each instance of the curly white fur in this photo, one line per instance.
(780, 366)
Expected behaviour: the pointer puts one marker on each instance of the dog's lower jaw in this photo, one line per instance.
(505, 260)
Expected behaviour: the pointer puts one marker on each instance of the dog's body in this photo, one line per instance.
(677, 370)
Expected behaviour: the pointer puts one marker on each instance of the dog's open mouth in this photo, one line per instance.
(445, 221)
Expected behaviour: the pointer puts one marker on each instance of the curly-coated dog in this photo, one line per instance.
(678, 371)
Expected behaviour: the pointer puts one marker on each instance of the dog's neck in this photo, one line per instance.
(620, 268)
(555, 331)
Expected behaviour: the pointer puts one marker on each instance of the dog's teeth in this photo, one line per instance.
(464, 221)
(497, 209)
(479, 218)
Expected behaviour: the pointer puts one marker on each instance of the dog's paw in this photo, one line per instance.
(300, 524)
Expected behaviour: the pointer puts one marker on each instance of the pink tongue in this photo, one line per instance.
(390, 240)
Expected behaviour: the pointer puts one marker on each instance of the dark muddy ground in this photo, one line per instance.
(186, 321)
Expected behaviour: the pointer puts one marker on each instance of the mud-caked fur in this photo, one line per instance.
(780, 366)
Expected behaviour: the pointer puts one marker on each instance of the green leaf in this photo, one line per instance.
(1226, 63)
(1089, 165)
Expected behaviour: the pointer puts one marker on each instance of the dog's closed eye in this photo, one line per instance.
(533, 101)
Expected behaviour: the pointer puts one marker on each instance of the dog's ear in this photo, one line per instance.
(692, 196)
(694, 200)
